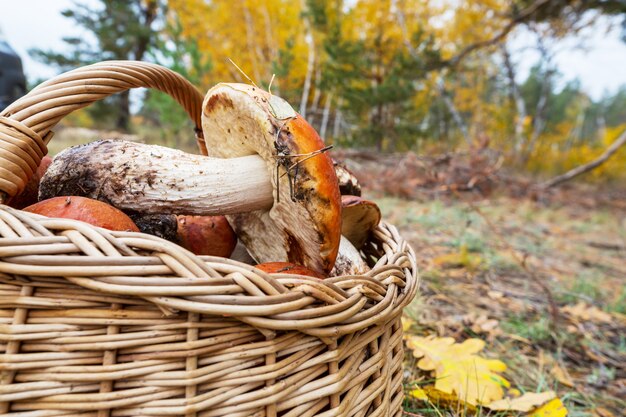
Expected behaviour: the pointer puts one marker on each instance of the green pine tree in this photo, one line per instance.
(118, 30)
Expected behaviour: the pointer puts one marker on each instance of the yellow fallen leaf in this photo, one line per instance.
(583, 311)
(461, 259)
(562, 376)
(514, 393)
(407, 323)
(526, 402)
(554, 408)
(442, 399)
(458, 370)
(419, 394)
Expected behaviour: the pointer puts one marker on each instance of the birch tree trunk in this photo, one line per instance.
(250, 35)
(458, 119)
(539, 122)
(520, 105)
(308, 38)
(325, 115)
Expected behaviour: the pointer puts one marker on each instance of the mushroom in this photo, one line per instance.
(84, 209)
(359, 217)
(348, 183)
(241, 254)
(349, 260)
(29, 195)
(202, 235)
(206, 235)
(286, 268)
(272, 179)
(303, 225)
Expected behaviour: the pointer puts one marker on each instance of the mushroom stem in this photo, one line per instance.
(153, 179)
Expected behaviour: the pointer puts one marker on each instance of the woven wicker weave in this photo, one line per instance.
(101, 323)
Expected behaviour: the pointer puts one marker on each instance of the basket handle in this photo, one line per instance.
(25, 126)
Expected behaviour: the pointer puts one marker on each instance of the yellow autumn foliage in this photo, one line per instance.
(555, 154)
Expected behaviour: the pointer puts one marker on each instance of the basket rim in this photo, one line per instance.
(132, 264)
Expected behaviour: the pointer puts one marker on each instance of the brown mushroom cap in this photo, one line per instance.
(206, 235)
(84, 209)
(304, 224)
(30, 194)
(359, 217)
(286, 268)
(202, 235)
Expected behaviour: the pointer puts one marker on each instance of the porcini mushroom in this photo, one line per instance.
(272, 178)
(359, 217)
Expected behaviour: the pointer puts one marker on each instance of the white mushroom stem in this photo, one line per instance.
(153, 179)
(349, 260)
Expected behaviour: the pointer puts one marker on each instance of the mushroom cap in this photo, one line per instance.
(206, 235)
(286, 268)
(84, 209)
(30, 194)
(359, 218)
(348, 183)
(304, 224)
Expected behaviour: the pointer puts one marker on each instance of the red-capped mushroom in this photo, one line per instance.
(30, 193)
(286, 268)
(206, 235)
(202, 235)
(84, 209)
(303, 225)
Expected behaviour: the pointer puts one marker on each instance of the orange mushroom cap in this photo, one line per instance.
(286, 268)
(84, 209)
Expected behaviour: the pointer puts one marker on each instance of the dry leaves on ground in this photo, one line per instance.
(464, 377)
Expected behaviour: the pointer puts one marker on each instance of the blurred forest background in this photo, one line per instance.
(389, 75)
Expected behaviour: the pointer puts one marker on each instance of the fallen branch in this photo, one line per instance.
(573, 173)
(606, 245)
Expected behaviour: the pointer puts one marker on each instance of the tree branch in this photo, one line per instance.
(517, 19)
(573, 173)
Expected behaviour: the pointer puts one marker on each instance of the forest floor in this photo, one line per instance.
(538, 274)
(543, 285)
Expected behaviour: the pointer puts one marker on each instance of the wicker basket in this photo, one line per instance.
(101, 323)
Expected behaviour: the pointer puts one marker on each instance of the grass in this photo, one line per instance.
(513, 239)
(535, 329)
(587, 285)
